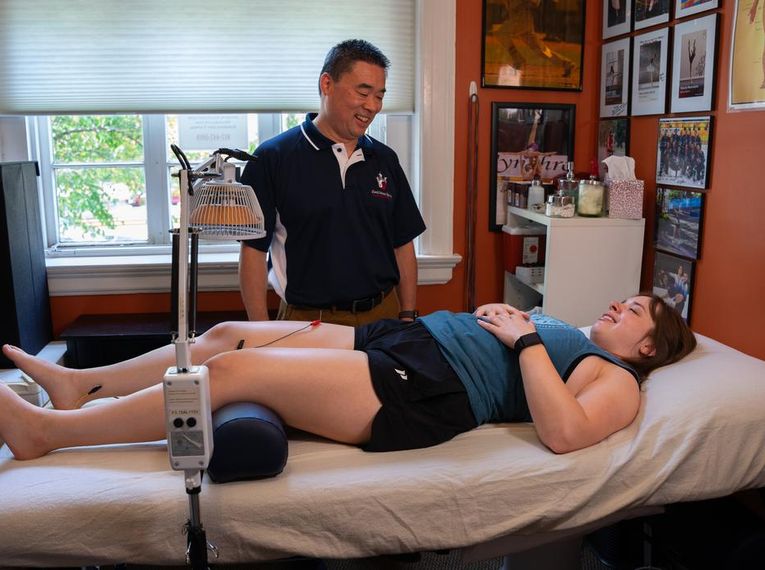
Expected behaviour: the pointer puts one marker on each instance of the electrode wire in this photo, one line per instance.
(311, 324)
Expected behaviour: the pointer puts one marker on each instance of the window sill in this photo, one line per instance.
(151, 273)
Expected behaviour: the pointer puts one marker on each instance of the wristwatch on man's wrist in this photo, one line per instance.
(526, 341)
(409, 314)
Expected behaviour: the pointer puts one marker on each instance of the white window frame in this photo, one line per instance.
(159, 184)
(432, 178)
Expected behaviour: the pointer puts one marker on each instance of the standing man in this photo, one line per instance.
(339, 214)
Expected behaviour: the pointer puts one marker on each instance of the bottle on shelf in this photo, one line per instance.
(562, 204)
(536, 200)
(568, 186)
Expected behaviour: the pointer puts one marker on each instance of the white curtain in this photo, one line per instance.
(185, 56)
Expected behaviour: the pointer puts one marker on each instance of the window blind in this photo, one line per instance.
(185, 56)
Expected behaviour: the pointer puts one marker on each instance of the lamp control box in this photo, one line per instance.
(188, 417)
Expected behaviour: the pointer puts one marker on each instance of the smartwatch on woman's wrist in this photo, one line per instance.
(409, 314)
(526, 341)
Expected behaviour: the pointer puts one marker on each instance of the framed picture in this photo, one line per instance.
(533, 44)
(679, 215)
(613, 140)
(673, 281)
(693, 64)
(682, 157)
(616, 17)
(746, 82)
(527, 140)
(685, 8)
(650, 13)
(615, 79)
(649, 73)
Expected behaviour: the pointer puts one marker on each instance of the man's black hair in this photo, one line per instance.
(341, 57)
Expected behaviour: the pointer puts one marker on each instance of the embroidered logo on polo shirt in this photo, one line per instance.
(401, 373)
(382, 187)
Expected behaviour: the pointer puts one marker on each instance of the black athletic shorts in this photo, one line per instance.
(423, 401)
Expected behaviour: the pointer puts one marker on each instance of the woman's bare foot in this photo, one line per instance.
(57, 381)
(21, 425)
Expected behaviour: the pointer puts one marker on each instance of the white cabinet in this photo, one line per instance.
(588, 262)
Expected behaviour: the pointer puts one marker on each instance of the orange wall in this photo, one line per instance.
(726, 302)
(488, 244)
(730, 275)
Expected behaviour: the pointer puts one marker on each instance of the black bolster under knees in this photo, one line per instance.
(249, 443)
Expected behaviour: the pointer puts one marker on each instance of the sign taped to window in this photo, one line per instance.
(210, 132)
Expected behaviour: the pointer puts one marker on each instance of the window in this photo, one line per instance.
(97, 169)
(426, 154)
(110, 180)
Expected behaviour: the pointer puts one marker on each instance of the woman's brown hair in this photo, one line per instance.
(671, 337)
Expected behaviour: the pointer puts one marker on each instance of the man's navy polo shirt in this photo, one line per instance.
(331, 242)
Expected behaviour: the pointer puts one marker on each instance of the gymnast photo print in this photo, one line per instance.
(682, 157)
(673, 282)
(693, 64)
(613, 140)
(679, 214)
(615, 78)
(650, 13)
(649, 73)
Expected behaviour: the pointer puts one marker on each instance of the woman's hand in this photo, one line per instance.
(508, 324)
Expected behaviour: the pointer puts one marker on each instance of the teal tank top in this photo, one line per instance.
(490, 370)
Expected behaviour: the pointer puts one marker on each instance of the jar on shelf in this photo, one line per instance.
(591, 199)
(560, 206)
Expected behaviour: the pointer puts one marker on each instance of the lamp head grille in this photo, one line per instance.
(226, 211)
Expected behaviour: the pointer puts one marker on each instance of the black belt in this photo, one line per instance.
(357, 306)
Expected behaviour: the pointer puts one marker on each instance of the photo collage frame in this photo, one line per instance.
(659, 57)
(669, 68)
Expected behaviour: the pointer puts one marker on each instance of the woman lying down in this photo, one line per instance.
(385, 386)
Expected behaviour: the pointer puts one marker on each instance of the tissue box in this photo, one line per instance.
(625, 199)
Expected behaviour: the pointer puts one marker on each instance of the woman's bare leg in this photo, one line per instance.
(69, 388)
(323, 391)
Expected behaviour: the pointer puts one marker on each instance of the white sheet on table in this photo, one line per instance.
(700, 433)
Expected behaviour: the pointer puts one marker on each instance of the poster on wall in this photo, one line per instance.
(746, 84)
(682, 154)
(533, 44)
(616, 17)
(649, 73)
(528, 140)
(615, 78)
(650, 13)
(693, 64)
(678, 221)
(673, 282)
(613, 140)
